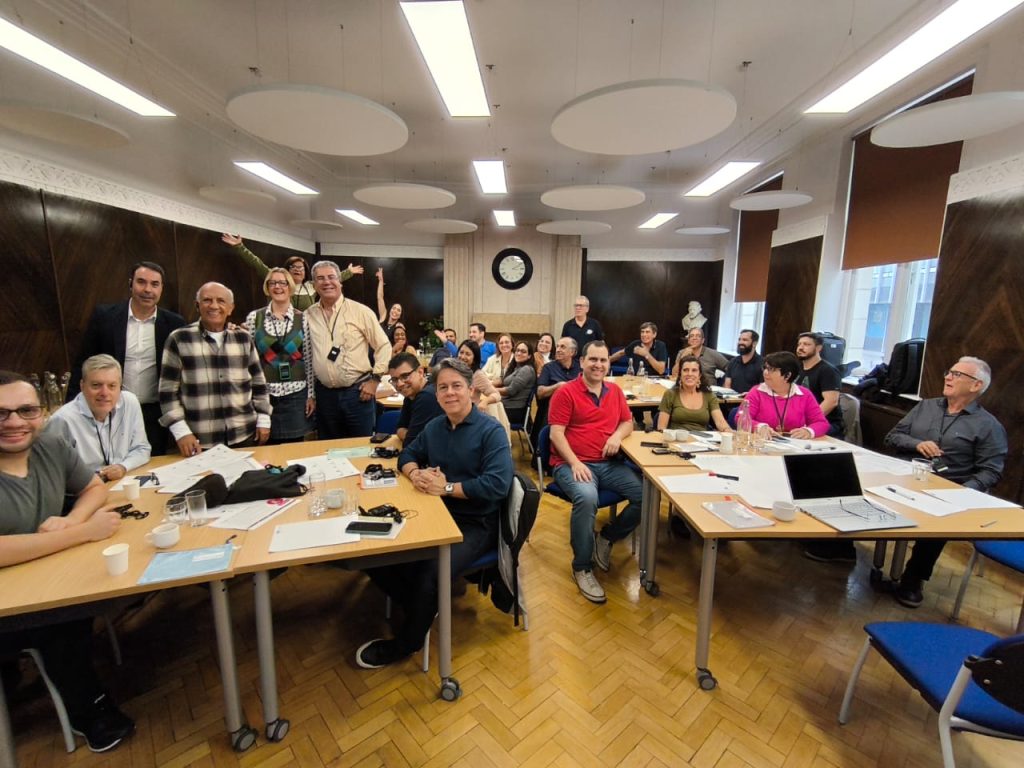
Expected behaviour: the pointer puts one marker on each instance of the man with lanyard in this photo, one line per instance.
(104, 422)
(134, 333)
(964, 443)
(212, 389)
(341, 334)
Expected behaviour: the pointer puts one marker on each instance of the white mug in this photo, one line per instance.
(116, 558)
(164, 535)
(784, 511)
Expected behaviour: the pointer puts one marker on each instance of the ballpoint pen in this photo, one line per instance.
(898, 492)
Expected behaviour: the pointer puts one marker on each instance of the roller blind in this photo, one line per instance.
(755, 248)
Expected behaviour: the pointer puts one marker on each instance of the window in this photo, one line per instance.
(749, 314)
(884, 305)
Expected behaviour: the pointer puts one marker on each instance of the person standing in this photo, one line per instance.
(134, 332)
(582, 328)
(342, 333)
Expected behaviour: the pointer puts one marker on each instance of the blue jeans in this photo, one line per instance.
(611, 476)
(340, 413)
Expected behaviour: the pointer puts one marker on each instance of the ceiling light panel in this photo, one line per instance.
(442, 33)
(945, 31)
(657, 220)
(275, 177)
(356, 216)
(505, 218)
(18, 41)
(722, 178)
(491, 175)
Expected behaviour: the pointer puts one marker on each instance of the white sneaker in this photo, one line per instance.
(602, 552)
(589, 586)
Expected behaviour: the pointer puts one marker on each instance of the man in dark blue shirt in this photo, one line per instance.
(647, 351)
(463, 457)
(565, 367)
(746, 370)
(420, 404)
(581, 328)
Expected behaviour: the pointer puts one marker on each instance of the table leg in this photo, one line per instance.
(8, 758)
(650, 514)
(450, 688)
(704, 603)
(276, 728)
(899, 554)
(242, 736)
(877, 576)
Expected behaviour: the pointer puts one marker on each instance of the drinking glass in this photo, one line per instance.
(196, 503)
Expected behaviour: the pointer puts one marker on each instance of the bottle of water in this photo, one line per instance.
(641, 371)
(629, 368)
(743, 428)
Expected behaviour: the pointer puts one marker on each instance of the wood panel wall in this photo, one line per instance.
(792, 285)
(978, 309)
(64, 255)
(625, 294)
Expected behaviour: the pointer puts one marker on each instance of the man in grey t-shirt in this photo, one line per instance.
(37, 469)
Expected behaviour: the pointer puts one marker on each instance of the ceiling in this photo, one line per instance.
(191, 56)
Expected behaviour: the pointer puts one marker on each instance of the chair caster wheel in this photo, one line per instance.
(277, 730)
(243, 738)
(652, 588)
(450, 689)
(706, 680)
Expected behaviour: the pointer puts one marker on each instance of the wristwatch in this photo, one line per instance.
(449, 489)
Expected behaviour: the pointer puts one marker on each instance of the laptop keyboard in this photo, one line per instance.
(859, 508)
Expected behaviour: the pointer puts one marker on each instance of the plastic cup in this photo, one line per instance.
(116, 558)
(196, 503)
(131, 488)
(726, 446)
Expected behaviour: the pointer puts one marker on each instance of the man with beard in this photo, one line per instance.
(822, 378)
(746, 370)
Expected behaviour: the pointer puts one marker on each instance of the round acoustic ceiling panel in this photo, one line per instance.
(441, 226)
(710, 229)
(644, 116)
(316, 119)
(315, 224)
(592, 197)
(409, 196)
(574, 227)
(62, 127)
(966, 117)
(237, 195)
(770, 200)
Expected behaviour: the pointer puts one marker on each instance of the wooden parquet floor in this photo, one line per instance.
(587, 685)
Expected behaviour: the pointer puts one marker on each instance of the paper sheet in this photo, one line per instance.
(922, 502)
(703, 484)
(869, 461)
(762, 479)
(333, 467)
(249, 515)
(312, 533)
(972, 499)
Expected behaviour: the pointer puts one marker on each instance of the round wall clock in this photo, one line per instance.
(512, 268)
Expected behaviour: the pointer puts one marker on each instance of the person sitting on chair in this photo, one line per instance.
(691, 405)
(518, 383)
(420, 403)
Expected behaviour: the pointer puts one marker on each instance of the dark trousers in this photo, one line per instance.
(922, 560)
(340, 413)
(67, 654)
(155, 434)
(414, 585)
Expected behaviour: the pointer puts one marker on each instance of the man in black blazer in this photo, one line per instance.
(134, 332)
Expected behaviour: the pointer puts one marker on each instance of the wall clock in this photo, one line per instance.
(512, 268)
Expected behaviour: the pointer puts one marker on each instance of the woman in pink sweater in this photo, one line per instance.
(784, 406)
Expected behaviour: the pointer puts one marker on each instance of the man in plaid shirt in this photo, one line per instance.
(212, 388)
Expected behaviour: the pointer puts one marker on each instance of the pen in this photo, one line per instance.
(990, 522)
(724, 477)
(898, 492)
(230, 538)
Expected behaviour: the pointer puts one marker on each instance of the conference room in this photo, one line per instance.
(606, 128)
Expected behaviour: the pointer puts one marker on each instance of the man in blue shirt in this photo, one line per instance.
(581, 328)
(646, 350)
(464, 457)
(420, 404)
(555, 373)
(477, 333)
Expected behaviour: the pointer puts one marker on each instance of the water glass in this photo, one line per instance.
(176, 511)
(317, 483)
(351, 505)
(196, 503)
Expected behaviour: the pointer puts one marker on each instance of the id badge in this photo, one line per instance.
(284, 372)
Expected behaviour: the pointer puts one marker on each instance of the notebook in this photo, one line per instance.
(826, 486)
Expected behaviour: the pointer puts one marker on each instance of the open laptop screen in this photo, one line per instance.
(822, 475)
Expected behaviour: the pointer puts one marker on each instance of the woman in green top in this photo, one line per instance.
(691, 404)
(304, 296)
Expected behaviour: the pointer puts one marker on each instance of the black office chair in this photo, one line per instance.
(522, 428)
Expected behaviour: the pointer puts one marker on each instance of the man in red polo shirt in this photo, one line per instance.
(589, 419)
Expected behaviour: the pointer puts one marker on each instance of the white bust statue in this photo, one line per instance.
(693, 318)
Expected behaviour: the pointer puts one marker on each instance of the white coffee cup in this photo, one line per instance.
(669, 435)
(784, 511)
(682, 435)
(130, 486)
(726, 446)
(164, 535)
(116, 558)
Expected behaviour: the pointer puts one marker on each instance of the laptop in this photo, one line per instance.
(826, 486)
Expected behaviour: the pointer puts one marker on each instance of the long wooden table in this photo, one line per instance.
(968, 525)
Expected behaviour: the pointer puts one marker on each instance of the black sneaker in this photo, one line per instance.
(909, 594)
(831, 551)
(379, 653)
(104, 726)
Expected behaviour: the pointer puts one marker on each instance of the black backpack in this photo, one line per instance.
(905, 367)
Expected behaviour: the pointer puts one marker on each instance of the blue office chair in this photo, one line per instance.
(619, 367)
(387, 422)
(1008, 553)
(973, 679)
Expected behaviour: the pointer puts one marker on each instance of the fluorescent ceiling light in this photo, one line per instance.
(275, 177)
(16, 40)
(357, 217)
(505, 218)
(948, 29)
(491, 175)
(442, 33)
(657, 220)
(721, 178)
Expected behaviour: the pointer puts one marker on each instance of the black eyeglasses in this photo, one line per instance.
(277, 283)
(948, 372)
(403, 378)
(25, 412)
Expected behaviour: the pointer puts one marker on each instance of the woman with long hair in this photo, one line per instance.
(691, 404)
(388, 317)
(545, 348)
(518, 383)
(498, 364)
(484, 393)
